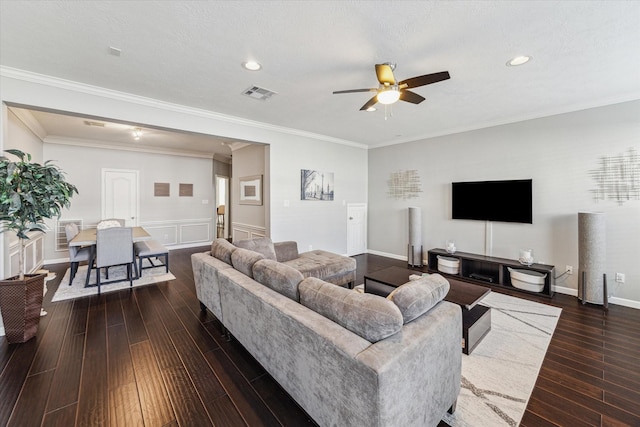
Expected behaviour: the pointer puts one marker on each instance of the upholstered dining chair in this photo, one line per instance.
(110, 222)
(76, 254)
(114, 246)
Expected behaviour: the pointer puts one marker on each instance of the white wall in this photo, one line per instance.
(321, 224)
(557, 152)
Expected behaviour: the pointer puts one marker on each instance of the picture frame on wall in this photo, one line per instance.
(316, 185)
(251, 190)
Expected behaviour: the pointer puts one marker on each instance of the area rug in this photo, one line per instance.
(78, 290)
(500, 373)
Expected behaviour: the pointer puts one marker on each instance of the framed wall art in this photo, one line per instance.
(316, 185)
(251, 190)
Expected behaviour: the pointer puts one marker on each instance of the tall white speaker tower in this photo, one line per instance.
(415, 237)
(592, 254)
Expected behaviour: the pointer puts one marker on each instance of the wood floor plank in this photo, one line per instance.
(225, 414)
(120, 366)
(202, 376)
(93, 396)
(597, 405)
(115, 316)
(63, 417)
(196, 330)
(124, 406)
(13, 377)
(66, 379)
(251, 407)
(187, 405)
(133, 320)
(79, 315)
(165, 310)
(154, 400)
(29, 409)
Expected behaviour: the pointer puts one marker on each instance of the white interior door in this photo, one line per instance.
(120, 195)
(356, 228)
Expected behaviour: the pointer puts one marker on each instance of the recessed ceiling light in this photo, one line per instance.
(518, 60)
(251, 65)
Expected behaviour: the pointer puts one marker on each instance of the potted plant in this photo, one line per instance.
(29, 193)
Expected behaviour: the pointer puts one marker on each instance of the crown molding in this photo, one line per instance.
(42, 79)
(30, 122)
(110, 145)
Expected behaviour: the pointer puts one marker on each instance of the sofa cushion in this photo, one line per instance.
(222, 249)
(262, 245)
(416, 297)
(322, 264)
(370, 316)
(286, 251)
(243, 260)
(279, 277)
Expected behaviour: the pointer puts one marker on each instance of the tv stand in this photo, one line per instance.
(491, 271)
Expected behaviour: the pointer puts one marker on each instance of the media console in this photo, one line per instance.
(491, 271)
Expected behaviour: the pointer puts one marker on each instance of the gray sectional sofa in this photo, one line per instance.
(347, 358)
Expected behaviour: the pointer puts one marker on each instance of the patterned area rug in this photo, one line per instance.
(77, 289)
(499, 375)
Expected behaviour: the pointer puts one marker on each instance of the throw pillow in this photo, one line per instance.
(416, 297)
(222, 249)
(279, 277)
(370, 316)
(262, 245)
(243, 260)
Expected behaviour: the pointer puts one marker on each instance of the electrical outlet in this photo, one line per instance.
(569, 269)
(620, 277)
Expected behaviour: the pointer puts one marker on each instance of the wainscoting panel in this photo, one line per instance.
(165, 234)
(180, 232)
(33, 254)
(241, 231)
(195, 233)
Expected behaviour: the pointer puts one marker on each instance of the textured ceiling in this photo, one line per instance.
(585, 54)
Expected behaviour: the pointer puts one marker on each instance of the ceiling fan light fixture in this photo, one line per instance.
(371, 109)
(389, 95)
(518, 60)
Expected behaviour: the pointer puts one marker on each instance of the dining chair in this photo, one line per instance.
(110, 222)
(114, 246)
(76, 254)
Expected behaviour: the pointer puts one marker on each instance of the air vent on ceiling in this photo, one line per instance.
(92, 123)
(259, 93)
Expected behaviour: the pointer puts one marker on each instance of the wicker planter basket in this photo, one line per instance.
(20, 303)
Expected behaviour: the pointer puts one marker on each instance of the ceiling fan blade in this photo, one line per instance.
(424, 80)
(385, 74)
(370, 103)
(355, 90)
(412, 97)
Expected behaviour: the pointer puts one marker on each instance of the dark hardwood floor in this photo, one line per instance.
(150, 357)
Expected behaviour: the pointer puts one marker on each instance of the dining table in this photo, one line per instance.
(87, 237)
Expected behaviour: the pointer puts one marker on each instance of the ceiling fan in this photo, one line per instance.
(390, 91)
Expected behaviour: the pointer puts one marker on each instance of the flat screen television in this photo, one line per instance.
(505, 201)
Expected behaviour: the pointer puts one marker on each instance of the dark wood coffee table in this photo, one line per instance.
(476, 319)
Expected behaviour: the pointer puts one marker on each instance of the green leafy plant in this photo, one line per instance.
(30, 193)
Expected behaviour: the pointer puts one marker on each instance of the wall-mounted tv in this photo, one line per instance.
(505, 201)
